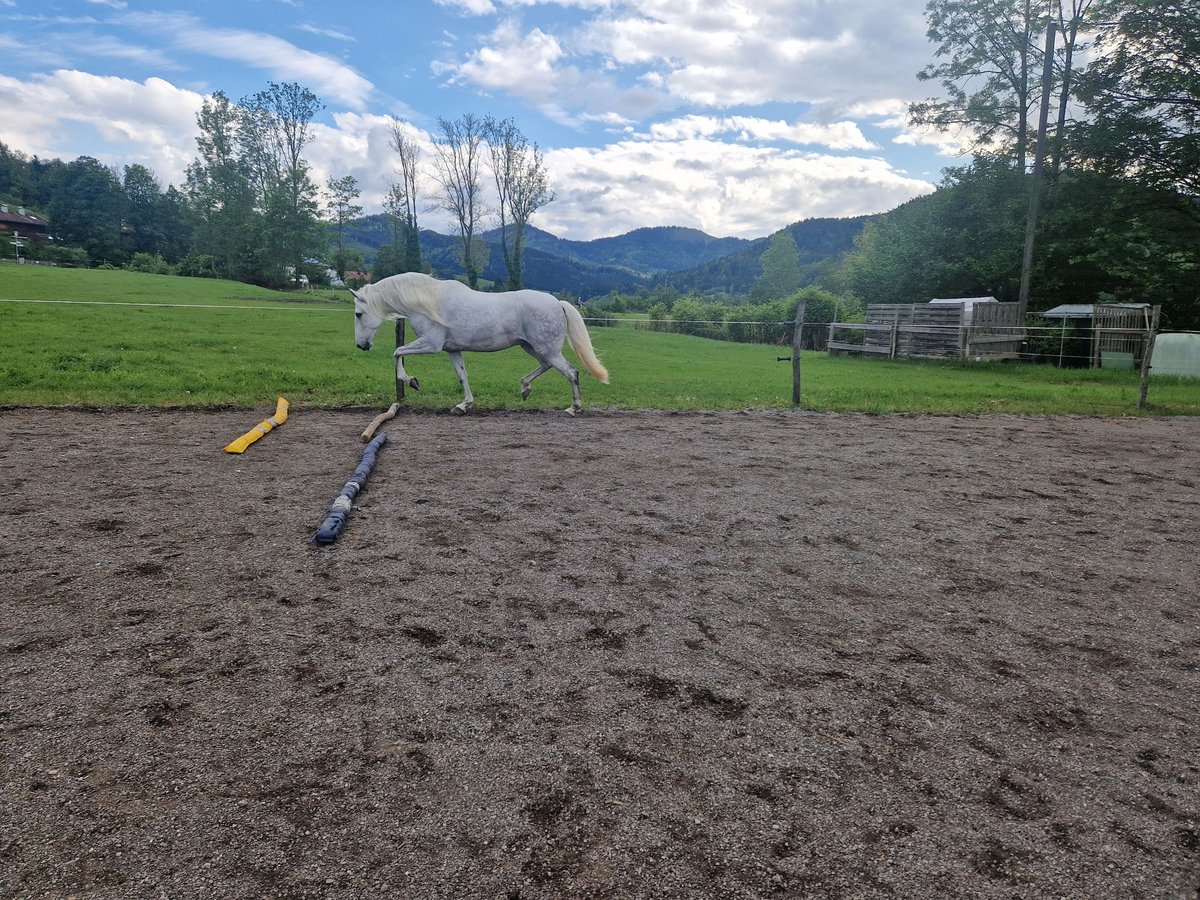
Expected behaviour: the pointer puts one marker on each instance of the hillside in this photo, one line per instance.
(683, 258)
(819, 241)
(646, 251)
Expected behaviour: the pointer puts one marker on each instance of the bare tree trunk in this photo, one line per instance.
(1039, 156)
(522, 189)
(456, 170)
(408, 153)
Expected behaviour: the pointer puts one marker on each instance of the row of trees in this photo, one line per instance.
(1091, 169)
(462, 148)
(250, 209)
(1010, 69)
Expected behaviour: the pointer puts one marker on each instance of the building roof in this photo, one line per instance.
(967, 300)
(21, 218)
(1083, 310)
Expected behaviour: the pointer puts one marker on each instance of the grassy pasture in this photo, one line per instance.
(200, 342)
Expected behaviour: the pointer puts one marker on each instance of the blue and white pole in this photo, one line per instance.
(339, 512)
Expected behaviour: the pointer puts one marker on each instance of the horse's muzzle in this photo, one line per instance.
(366, 346)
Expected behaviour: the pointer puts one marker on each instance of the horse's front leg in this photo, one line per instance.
(460, 370)
(422, 345)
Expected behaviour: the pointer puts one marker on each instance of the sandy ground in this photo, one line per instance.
(626, 655)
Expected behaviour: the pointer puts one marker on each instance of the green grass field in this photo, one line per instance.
(116, 338)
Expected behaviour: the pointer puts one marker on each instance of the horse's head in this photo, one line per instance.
(366, 323)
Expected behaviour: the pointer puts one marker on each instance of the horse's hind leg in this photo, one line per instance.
(460, 369)
(525, 382)
(569, 372)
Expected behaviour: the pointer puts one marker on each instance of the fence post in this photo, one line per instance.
(399, 343)
(895, 336)
(796, 353)
(1150, 336)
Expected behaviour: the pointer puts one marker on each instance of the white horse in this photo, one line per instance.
(448, 315)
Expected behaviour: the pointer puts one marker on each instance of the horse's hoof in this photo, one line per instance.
(524, 393)
(414, 384)
(461, 409)
(570, 411)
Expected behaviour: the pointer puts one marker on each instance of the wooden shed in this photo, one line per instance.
(1118, 332)
(968, 328)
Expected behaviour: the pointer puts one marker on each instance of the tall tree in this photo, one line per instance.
(143, 210)
(780, 269)
(1143, 92)
(458, 150)
(402, 196)
(1073, 17)
(220, 195)
(988, 48)
(275, 127)
(14, 166)
(87, 209)
(990, 70)
(340, 196)
(176, 229)
(522, 188)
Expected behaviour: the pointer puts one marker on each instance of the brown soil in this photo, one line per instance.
(626, 655)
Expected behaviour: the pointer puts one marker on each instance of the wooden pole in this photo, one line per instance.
(796, 353)
(1153, 333)
(399, 343)
(379, 420)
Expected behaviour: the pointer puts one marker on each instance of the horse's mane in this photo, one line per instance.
(407, 295)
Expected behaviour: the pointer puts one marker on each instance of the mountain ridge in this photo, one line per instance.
(643, 259)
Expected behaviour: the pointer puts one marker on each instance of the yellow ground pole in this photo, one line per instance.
(281, 414)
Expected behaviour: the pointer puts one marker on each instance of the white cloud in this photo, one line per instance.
(470, 7)
(723, 189)
(146, 57)
(328, 78)
(636, 59)
(492, 67)
(487, 7)
(151, 122)
(836, 136)
(327, 31)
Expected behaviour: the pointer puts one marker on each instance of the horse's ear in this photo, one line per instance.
(357, 295)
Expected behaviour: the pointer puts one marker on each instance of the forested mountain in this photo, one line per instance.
(820, 243)
(645, 251)
(683, 258)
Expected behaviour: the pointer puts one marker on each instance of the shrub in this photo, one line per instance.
(152, 264)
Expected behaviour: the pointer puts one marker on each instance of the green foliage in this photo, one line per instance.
(988, 66)
(1143, 90)
(62, 256)
(781, 271)
(1099, 236)
(198, 265)
(151, 264)
(87, 208)
(817, 241)
(340, 196)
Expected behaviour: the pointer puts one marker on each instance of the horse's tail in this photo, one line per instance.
(577, 335)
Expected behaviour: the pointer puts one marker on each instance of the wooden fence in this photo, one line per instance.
(1119, 336)
(924, 331)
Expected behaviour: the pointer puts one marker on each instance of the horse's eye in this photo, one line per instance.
(358, 315)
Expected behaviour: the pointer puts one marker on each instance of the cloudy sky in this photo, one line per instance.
(733, 116)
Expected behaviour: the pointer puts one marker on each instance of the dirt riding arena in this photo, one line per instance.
(627, 655)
